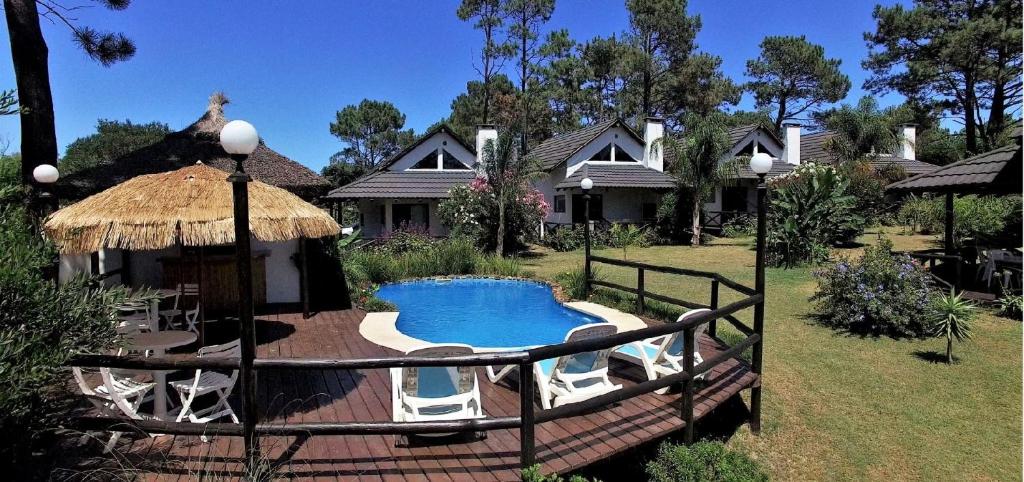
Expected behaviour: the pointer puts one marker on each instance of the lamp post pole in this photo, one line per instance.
(239, 139)
(756, 358)
(586, 185)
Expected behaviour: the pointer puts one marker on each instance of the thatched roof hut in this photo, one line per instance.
(192, 205)
(197, 142)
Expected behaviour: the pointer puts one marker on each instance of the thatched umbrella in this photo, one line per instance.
(191, 206)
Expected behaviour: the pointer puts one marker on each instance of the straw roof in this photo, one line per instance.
(200, 141)
(149, 211)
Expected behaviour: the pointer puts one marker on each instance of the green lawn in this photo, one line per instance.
(852, 408)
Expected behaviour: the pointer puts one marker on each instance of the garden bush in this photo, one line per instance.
(573, 283)
(740, 226)
(703, 462)
(811, 210)
(42, 324)
(980, 219)
(565, 238)
(472, 211)
(1011, 306)
(623, 235)
(882, 293)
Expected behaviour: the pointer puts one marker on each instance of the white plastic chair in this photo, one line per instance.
(571, 378)
(435, 393)
(994, 256)
(188, 290)
(115, 397)
(205, 382)
(663, 355)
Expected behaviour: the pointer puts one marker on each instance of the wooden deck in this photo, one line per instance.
(364, 395)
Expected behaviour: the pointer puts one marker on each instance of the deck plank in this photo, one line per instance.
(364, 395)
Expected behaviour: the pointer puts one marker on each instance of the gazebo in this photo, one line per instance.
(139, 230)
(994, 172)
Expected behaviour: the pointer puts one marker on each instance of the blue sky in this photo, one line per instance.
(289, 66)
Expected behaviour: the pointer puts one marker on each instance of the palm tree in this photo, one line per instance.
(862, 130)
(699, 167)
(952, 318)
(508, 175)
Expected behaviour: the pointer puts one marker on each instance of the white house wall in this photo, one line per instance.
(440, 139)
(282, 271)
(616, 134)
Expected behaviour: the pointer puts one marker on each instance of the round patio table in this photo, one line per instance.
(159, 342)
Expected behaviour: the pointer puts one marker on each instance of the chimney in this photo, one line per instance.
(908, 137)
(484, 133)
(654, 129)
(791, 151)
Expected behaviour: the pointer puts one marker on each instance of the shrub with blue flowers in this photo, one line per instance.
(882, 293)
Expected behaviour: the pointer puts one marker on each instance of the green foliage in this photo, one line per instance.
(980, 219)
(501, 211)
(740, 226)
(573, 282)
(963, 57)
(810, 211)
(533, 474)
(882, 293)
(1011, 306)
(468, 107)
(405, 240)
(42, 324)
(113, 139)
(792, 76)
(9, 102)
(11, 190)
(565, 238)
(703, 462)
(867, 186)
(623, 235)
(862, 130)
(339, 172)
(951, 317)
(371, 132)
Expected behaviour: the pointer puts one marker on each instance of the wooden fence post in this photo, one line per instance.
(713, 324)
(689, 346)
(526, 437)
(640, 291)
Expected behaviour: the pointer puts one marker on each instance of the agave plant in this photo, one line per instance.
(952, 319)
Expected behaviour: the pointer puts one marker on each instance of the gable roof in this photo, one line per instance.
(627, 174)
(200, 141)
(403, 184)
(995, 172)
(912, 167)
(560, 148)
(813, 147)
(443, 127)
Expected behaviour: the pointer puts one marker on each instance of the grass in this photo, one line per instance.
(851, 408)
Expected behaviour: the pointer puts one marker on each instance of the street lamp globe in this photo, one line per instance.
(760, 163)
(586, 184)
(239, 137)
(45, 174)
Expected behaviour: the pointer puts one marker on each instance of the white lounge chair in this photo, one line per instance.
(435, 393)
(206, 382)
(571, 378)
(663, 355)
(115, 397)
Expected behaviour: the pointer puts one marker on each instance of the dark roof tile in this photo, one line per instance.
(614, 175)
(995, 171)
(403, 184)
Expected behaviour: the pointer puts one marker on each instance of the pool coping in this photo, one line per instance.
(382, 327)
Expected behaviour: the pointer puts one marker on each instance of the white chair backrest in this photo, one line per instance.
(674, 344)
(114, 387)
(587, 361)
(231, 349)
(83, 384)
(462, 378)
(188, 289)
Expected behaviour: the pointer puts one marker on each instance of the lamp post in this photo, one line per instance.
(45, 176)
(760, 163)
(239, 139)
(586, 185)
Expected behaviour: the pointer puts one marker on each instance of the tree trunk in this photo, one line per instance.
(970, 122)
(781, 116)
(949, 350)
(695, 240)
(29, 54)
(500, 248)
(524, 71)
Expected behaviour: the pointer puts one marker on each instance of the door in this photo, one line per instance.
(596, 208)
(410, 216)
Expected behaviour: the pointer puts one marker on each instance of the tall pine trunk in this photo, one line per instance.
(32, 73)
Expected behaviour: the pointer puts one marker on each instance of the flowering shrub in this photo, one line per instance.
(472, 211)
(882, 293)
(810, 211)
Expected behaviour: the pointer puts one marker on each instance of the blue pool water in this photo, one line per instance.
(486, 313)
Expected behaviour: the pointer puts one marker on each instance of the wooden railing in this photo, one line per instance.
(718, 219)
(527, 418)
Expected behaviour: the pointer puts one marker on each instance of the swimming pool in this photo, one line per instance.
(485, 313)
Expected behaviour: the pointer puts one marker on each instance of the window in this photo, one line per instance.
(428, 162)
(448, 161)
(648, 211)
(560, 203)
(622, 156)
(748, 150)
(603, 155)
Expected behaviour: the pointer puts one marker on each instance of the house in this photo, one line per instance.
(199, 142)
(628, 176)
(740, 196)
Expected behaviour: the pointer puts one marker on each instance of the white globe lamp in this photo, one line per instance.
(239, 137)
(586, 184)
(45, 174)
(760, 163)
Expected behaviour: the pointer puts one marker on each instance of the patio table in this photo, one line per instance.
(159, 342)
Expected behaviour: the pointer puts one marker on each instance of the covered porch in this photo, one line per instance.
(620, 194)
